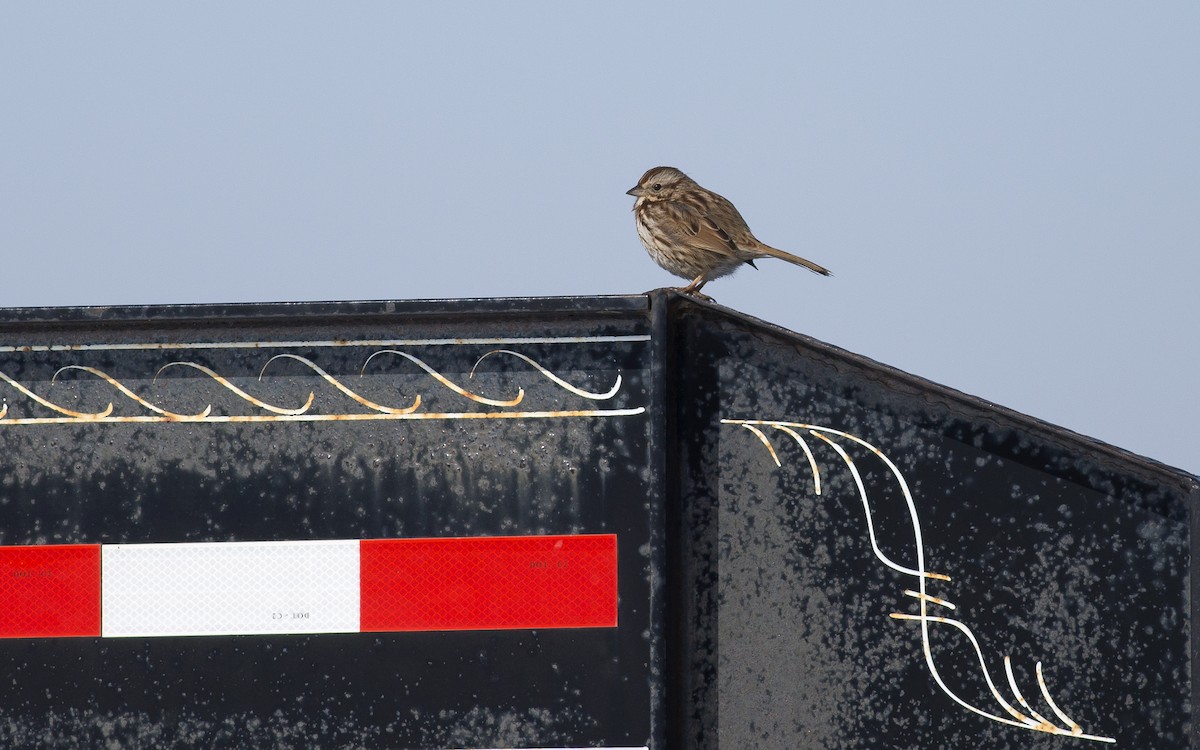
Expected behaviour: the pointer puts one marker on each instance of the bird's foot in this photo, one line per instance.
(689, 291)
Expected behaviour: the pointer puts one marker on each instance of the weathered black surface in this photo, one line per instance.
(753, 612)
(1059, 549)
(176, 482)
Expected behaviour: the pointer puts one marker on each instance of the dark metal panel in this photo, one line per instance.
(696, 607)
(1058, 550)
(1192, 498)
(754, 612)
(287, 454)
(666, 705)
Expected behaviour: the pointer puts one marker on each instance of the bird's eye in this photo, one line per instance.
(656, 187)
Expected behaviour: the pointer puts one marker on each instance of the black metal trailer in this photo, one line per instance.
(622, 522)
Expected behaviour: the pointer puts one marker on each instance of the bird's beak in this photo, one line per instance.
(636, 191)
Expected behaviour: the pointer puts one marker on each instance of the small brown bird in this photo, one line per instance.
(695, 233)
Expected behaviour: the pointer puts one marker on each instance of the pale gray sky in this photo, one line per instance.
(1008, 194)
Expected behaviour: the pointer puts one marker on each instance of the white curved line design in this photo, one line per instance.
(238, 391)
(53, 406)
(128, 393)
(368, 417)
(342, 387)
(446, 381)
(862, 494)
(553, 378)
(1029, 719)
(305, 412)
(812, 460)
(1016, 691)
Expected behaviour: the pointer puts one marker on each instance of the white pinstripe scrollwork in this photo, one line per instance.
(1024, 716)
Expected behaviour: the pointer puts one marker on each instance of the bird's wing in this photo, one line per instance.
(699, 230)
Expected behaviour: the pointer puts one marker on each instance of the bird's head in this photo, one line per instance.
(660, 184)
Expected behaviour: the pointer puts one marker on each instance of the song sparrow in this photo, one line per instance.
(695, 233)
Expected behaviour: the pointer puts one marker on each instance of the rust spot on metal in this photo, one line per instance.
(254, 418)
(770, 448)
(1042, 721)
(812, 460)
(928, 598)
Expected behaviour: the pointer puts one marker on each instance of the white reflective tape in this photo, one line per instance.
(230, 588)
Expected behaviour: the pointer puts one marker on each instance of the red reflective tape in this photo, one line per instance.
(50, 591)
(488, 583)
(482, 583)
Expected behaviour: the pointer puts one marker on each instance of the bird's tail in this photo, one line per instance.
(783, 255)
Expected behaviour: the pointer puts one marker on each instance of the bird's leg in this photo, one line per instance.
(693, 289)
